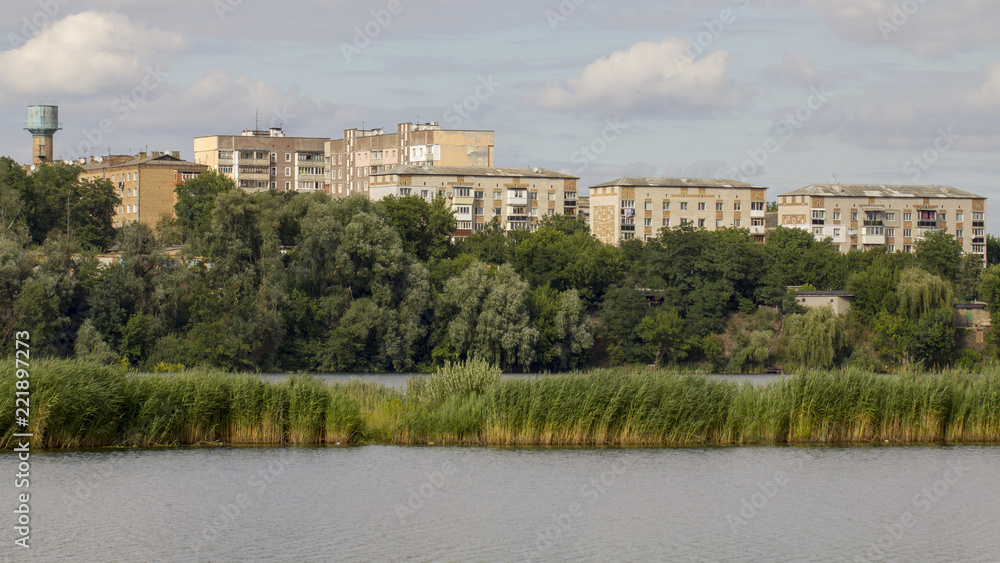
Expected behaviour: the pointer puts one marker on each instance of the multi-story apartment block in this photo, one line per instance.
(266, 160)
(860, 217)
(517, 197)
(145, 183)
(361, 154)
(629, 208)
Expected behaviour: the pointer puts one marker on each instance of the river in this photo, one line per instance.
(387, 503)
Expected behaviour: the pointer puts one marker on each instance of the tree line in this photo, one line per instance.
(291, 281)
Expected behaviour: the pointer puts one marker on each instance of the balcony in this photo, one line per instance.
(980, 224)
(514, 199)
(462, 200)
(757, 230)
(758, 213)
(462, 216)
(874, 223)
(819, 222)
(628, 228)
(569, 203)
(927, 224)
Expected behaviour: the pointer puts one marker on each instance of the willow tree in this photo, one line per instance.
(815, 338)
(920, 291)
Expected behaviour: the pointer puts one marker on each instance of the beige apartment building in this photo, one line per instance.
(517, 197)
(363, 153)
(266, 160)
(860, 217)
(629, 208)
(144, 182)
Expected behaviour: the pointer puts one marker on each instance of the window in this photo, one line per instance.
(736, 223)
(649, 222)
(977, 232)
(736, 206)
(684, 206)
(979, 248)
(977, 216)
(479, 194)
(288, 157)
(463, 192)
(534, 196)
(958, 233)
(819, 214)
(757, 222)
(552, 196)
(907, 216)
(718, 206)
(718, 223)
(701, 206)
(497, 195)
(288, 186)
(288, 171)
(701, 222)
(836, 215)
(906, 248)
(854, 216)
(817, 230)
(959, 217)
(757, 206)
(666, 221)
(666, 206)
(628, 203)
(890, 232)
(496, 211)
(649, 206)
(836, 232)
(890, 216)
(907, 233)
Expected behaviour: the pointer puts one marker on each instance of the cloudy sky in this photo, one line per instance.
(782, 93)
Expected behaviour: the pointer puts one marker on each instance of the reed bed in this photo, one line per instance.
(78, 404)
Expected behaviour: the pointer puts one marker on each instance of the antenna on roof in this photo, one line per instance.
(835, 179)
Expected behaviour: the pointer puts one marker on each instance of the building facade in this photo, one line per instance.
(361, 154)
(517, 197)
(144, 182)
(629, 208)
(266, 160)
(860, 217)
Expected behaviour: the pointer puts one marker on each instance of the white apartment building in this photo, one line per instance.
(629, 208)
(859, 217)
(517, 197)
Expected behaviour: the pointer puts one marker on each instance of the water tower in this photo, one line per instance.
(43, 122)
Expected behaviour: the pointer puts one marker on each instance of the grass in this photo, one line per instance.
(77, 404)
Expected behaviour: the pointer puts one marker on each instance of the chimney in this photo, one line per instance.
(176, 154)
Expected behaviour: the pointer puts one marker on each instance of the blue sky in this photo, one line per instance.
(781, 93)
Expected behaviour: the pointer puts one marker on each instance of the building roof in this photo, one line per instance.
(630, 181)
(963, 306)
(875, 190)
(420, 170)
(165, 160)
(824, 294)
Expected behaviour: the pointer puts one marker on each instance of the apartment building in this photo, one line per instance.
(144, 182)
(861, 217)
(629, 208)
(363, 153)
(266, 160)
(517, 197)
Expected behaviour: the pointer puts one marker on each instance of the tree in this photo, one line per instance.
(934, 338)
(13, 182)
(573, 332)
(621, 312)
(939, 253)
(492, 321)
(920, 292)
(967, 281)
(662, 331)
(989, 288)
(992, 250)
(425, 228)
(815, 338)
(196, 199)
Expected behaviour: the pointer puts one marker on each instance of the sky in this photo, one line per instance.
(780, 93)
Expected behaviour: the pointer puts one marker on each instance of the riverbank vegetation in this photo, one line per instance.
(76, 404)
(308, 283)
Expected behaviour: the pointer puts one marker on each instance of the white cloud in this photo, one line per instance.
(84, 53)
(648, 75)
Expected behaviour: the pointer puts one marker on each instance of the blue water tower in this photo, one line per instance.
(43, 122)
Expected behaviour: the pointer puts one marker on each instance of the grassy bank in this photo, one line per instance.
(76, 404)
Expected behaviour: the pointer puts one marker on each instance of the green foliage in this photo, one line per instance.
(195, 200)
(816, 338)
(989, 288)
(752, 352)
(920, 292)
(91, 347)
(939, 253)
(425, 227)
(470, 377)
(662, 331)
